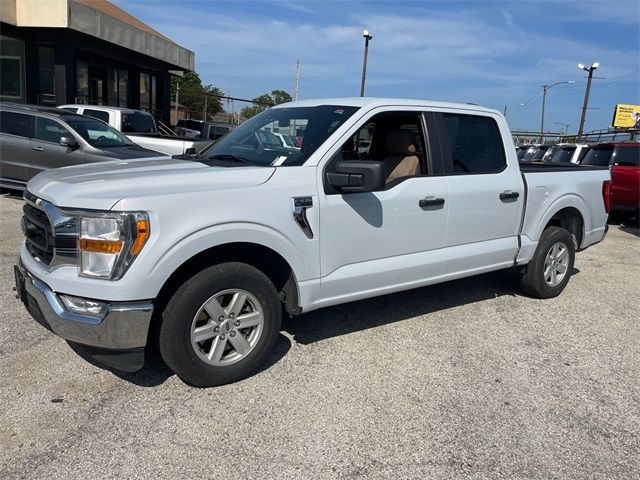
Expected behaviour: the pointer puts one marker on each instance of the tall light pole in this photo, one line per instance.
(367, 37)
(545, 89)
(590, 69)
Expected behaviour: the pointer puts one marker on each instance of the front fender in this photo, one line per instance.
(234, 232)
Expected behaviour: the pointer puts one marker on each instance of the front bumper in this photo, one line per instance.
(123, 326)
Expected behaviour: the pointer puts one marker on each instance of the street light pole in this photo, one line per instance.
(565, 125)
(177, 95)
(583, 117)
(545, 89)
(367, 37)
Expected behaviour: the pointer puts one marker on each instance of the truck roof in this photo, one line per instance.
(383, 102)
(104, 108)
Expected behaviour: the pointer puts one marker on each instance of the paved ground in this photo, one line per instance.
(469, 379)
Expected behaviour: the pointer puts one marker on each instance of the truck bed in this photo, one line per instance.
(557, 167)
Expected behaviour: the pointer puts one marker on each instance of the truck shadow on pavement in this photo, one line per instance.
(155, 372)
(375, 312)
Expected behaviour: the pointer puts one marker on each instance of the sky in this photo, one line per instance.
(492, 53)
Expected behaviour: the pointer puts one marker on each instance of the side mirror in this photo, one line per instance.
(357, 176)
(68, 142)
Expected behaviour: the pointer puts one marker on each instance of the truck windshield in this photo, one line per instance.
(98, 134)
(255, 141)
(138, 123)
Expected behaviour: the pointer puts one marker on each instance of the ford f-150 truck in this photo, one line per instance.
(201, 256)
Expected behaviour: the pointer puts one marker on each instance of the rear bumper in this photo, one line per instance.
(121, 326)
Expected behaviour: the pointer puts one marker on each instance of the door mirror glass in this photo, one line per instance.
(68, 142)
(357, 176)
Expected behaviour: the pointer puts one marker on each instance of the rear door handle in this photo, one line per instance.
(37, 149)
(508, 195)
(431, 202)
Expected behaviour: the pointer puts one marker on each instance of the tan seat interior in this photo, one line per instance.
(403, 161)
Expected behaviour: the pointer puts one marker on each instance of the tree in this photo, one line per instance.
(193, 95)
(265, 101)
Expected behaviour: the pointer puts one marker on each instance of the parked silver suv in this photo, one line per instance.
(34, 138)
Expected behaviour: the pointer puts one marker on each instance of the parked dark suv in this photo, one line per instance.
(34, 138)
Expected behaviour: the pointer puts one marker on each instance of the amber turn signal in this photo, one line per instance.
(100, 246)
(142, 230)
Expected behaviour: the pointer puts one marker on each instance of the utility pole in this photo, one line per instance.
(583, 117)
(297, 84)
(204, 112)
(545, 89)
(504, 112)
(367, 37)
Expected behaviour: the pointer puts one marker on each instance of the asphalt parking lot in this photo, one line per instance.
(469, 379)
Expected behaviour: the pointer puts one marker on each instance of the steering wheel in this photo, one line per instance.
(101, 139)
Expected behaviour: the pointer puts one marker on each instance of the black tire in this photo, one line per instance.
(174, 339)
(532, 279)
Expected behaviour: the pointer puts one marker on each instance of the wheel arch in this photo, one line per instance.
(569, 212)
(265, 259)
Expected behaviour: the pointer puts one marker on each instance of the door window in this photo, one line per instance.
(474, 143)
(49, 130)
(17, 124)
(394, 138)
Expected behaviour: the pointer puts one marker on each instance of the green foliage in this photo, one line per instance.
(193, 95)
(265, 101)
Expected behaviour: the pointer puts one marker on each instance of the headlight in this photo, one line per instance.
(110, 242)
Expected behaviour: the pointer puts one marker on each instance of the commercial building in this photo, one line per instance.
(85, 51)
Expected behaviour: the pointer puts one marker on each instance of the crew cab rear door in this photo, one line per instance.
(486, 191)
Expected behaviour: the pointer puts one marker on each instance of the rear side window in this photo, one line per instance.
(18, 124)
(475, 144)
(50, 131)
(70, 109)
(627, 156)
(598, 156)
(99, 114)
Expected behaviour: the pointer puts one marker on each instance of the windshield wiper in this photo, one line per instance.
(229, 158)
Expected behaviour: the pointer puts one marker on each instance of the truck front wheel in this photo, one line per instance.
(220, 325)
(548, 272)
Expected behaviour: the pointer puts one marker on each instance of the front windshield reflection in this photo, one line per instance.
(279, 136)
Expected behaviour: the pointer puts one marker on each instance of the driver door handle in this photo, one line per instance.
(431, 202)
(508, 195)
(37, 149)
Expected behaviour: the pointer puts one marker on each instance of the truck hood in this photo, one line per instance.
(101, 185)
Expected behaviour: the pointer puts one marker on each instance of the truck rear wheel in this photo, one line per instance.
(220, 325)
(549, 270)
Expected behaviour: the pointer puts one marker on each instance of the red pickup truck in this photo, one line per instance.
(624, 160)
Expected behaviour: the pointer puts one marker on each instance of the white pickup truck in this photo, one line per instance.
(140, 127)
(200, 257)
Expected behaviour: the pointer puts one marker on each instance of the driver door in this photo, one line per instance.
(45, 151)
(383, 241)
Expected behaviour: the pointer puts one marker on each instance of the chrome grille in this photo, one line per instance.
(50, 233)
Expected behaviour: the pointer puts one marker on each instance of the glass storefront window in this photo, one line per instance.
(112, 87)
(46, 75)
(82, 81)
(145, 91)
(123, 88)
(12, 69)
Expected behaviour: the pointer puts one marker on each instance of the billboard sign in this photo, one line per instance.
(626, 116)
